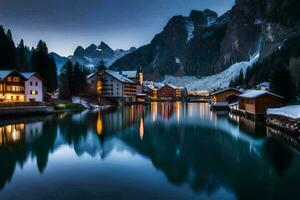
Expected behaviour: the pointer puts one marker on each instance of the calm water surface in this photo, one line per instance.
(162, 151)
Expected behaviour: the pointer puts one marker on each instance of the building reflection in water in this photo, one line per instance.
(154, 111)
(141, 128)
(99, 124)
(11, 134)
(20, 133)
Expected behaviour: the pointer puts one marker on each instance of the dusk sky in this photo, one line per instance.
(65, 24)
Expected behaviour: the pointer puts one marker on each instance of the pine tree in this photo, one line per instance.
(7, 50)
(282, 82)
(78, 80)
(22, 60)
(65, 80)
(44, 65)
(52, 74)
(241, 78)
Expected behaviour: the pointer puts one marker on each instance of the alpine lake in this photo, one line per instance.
(159, 151)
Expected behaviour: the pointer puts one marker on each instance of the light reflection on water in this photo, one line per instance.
(165, 150)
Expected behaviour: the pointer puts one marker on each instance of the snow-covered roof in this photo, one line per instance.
(224, 90)
(288, 111)
(5, 73)
(118, 76)
(130, 74)
(173, 86)
(264, 84)
(257, 93)
(220, 104)
(27, 75)
(91, 75)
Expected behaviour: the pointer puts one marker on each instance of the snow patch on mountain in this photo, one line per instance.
(190, 28)
(213, 82)
(177, 60)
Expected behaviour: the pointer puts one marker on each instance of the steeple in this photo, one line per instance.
(141, 76)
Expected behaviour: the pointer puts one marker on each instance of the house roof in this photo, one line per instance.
(264, 84)
(224, 90)
(5, 73)
(28, 75)
(91, 75)
(130, 74)
(288, 111)
(118, 76)
(173, 86)
(251, 94)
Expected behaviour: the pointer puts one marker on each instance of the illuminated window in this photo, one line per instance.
(9, 79)
(16, 79)
(33, 92)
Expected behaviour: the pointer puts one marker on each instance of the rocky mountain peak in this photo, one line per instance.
(79, 51)
(204, 18)
(104, 47)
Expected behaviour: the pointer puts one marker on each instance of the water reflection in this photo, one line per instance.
(211, 153)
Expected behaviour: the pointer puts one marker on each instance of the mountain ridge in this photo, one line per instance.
(189, 45)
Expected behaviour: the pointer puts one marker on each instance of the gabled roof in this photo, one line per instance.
(118, 76)
(130, 74)
(28, 75)
(224, 90)
(5, 73)
(251, 94)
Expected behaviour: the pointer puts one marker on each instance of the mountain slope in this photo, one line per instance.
(59, 61)
(213, 82)
(204, 44)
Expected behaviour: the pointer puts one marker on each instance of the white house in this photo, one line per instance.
(114, 85)
(34, 87)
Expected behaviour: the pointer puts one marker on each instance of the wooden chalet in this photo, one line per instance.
(254, 103)
(12, 87)
(169, 93)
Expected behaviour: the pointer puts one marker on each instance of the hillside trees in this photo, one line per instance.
(72, 80)
(44, 65)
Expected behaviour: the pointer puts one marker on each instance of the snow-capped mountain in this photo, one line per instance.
(93, 54)
(204, 44)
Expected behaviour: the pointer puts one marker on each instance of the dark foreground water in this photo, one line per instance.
(162, 151)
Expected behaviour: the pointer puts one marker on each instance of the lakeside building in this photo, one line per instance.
(285, 118)
(123, 86)
(254, 103)
(113, 85)
(34, 87)
(221, 99)
(170, 93)
(20, 87)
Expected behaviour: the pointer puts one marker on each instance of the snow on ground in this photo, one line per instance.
(288, 111)
(217, 81)
(189, 26)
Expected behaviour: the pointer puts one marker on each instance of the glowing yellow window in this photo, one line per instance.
(34, 92)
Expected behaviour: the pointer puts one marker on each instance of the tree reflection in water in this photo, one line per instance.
(187, 142)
